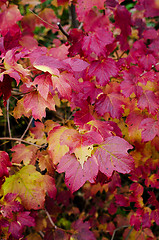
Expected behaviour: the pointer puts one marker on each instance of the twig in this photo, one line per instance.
(42, 19)
(8, 121)
(73, 16)
(20, 140)
(62, 29)
(50, 219)
(125, 226)
(41, 234)
(27, 128)
(131, 229)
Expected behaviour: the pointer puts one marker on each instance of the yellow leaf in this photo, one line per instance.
(29, 185)
(82, 153)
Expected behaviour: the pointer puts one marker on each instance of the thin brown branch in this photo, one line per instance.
(43, 20)
(20, 140)
(8, 120)
(131, 229)
(50, 219)
(117, 229)
(62, 29)
(27, 128)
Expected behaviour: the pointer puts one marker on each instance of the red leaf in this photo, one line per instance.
(103, 70)
(9, 17)
(112, 156)
(35, 102)
(111, 103)
(75, 175)
(149, 101)
(23, 153)
(25, 220)
(150, 129)
(95, 42)
(4, 163)
(82, 231)
(121, 200)
(123, 21)
(10, 205)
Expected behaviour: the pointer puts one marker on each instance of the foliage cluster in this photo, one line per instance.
(79, 121)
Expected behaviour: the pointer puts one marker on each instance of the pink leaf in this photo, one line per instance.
(150, 129)
(75, 175)
(112, 156)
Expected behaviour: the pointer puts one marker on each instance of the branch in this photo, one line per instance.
(73, 16)
(20, 140)
(42, 19)
(8, 121)
(125, 226)
(131, 229)
(27, 128)
(50, 219)
(62, 29)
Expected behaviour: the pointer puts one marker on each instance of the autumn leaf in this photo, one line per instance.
(4, 164)
(29, 185)
(23, 153)
(112, 156)
(82, 231)
(56, 150)
(103, 70)
(75, 175)
(150, 129)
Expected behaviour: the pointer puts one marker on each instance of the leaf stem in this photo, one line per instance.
(21, 140)
(131, 229)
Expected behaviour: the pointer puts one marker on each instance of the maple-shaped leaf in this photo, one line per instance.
(10, 205)
(150, 129)
(56, 150)
(45, 161)
(29, 185)
(112, 156)
(130, 83)
(4, 164)
(9, 17)
(65, 83)
(74, 139)
(20, 110)
(133, 121)
(111, 103)
(155, 216)
(95, 42)
(82, 231)
(83, 116)
(44, 82)
(147, 61)
(135, 221)
(50, 64)
(123, 21)
(10, 63)
(23, 153)
(37, 104)
(83, 7)
(105, 128)
(121, 200)
(150, 101)
(22, 219)
(75, 175)
(103, 70)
